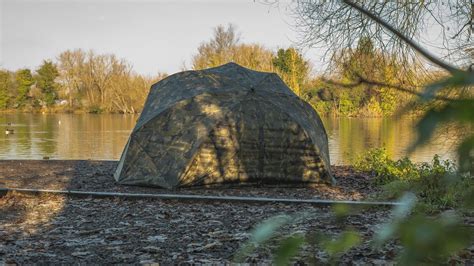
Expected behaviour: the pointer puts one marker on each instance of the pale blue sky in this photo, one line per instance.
(153, 35)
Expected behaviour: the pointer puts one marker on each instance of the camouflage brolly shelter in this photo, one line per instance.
(224, 124)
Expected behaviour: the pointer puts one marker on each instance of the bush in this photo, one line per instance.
(95, 110)
(385, 170)
(323, 108)
(436, 184)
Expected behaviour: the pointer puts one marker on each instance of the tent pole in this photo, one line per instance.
(183, 197)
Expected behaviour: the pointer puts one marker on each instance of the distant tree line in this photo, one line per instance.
(225, 47)
(85, 81)
(344, 93)
(76, 81)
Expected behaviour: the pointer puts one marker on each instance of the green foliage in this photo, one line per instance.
(458, 111)
(290, 245)
(437, 184)
(385, 170)
(322, 107)
(425, 240)
(465, 150)
(429, 240)
(293, 68)
(24, 80)
(5, 85)
(374, 107)
(388, 101)
(346, 104)
(261, 234)
(288, 248)
(345, 241)
(45, 80)
(95, 110)
(352, 95)
(400, 213)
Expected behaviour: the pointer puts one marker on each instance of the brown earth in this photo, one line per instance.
(98, 176)
(65, 230)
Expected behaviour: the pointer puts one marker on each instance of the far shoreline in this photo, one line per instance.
(85, 112)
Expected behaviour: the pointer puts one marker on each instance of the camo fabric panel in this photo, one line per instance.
(256, 143)
(224, 124)
(187, 84)
(303, 114)
(170, 140)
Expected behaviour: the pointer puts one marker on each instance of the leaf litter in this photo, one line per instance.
(64, 230)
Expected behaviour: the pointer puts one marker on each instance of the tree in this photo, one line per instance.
(45, 81)
(366, 62)
(336, 25)
(218, 50)
(224, 47)
(101, 82)
(71, 71)
(5, 86)
(395, 27)
(293, 68)
(24, 81)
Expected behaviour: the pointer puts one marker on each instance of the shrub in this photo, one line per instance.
(95, 110)
(437, 184)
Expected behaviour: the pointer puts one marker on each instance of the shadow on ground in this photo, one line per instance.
(57, 229)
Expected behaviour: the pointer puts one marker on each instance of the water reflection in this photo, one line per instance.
(89, 136)
(349, 137)
(64, 136)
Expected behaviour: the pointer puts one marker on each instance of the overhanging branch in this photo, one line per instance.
(361, 80)
(409, 41)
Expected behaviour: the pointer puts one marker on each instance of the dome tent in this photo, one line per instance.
(227, 124)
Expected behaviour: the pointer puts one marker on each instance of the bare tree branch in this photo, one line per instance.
(406, 39)
(361, 80)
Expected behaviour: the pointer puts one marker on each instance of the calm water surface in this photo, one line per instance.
(102, 137)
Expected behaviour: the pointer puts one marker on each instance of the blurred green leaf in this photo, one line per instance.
(344, 242)
(465, 153)
(288, 248)
(400, 212)
(469, 199)
(341, 211)
(263, 232)
(408, 201)
(460, 111)
(457, 79)
(432, 240)
(266, 229)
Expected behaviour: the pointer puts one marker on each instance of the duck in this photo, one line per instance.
(9, 131)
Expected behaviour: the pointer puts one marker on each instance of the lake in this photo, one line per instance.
(103, 137)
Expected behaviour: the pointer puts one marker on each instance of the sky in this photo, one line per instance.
(153, 35)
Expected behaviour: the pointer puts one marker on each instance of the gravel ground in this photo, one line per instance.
(98, 176)
(54, 229)
(64, 230)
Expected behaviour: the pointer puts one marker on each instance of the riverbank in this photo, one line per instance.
(66, 110)
(58, 229)
(59, 110)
